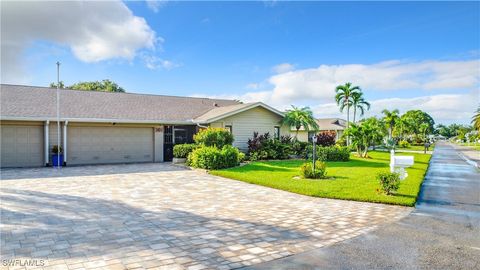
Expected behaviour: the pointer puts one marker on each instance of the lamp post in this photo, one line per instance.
(58, 115)
(314, 141)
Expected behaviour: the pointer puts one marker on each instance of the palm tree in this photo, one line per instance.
(300, 117)
(358, 102)
(476, 119)
(344, 99)
(391, 118)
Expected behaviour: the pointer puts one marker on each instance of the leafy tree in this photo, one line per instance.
(363, 134)
(424, 128)
(104, 85)
(300, 117)
(476, 119)
(379, 130)
(417, 117)
(390, 118)
(358, 102)
(54, 85)
(344, 98)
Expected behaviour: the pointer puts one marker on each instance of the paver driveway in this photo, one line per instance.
(162, 216)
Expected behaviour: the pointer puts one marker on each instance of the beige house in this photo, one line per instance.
(325, 124)
(103, 127)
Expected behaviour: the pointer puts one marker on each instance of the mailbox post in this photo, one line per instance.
(314, 141)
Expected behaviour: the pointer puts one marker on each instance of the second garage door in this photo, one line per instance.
(103, 145)
(21, 146)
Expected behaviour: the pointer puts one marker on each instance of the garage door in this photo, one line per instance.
(103, 145)
(22, 146)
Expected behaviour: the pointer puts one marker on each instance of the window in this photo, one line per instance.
(276, 133)
(229, 128)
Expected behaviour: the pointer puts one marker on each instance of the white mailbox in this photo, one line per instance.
(399, 163)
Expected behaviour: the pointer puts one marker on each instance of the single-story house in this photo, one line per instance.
(104, 127)
(325, 124)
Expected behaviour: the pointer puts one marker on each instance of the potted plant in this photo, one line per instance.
(57, 157)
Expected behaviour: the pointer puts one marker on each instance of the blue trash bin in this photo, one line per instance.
(55, 160)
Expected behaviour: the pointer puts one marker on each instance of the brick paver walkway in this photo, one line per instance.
(163, 217)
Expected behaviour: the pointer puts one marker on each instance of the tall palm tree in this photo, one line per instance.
(358, 102)
(344, 99)
(300, 117)
(476, 119)
(391, 118)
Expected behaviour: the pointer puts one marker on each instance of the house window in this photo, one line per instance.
(276, 133)
(229, 128)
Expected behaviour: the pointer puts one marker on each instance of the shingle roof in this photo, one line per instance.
(331, 123)
(19, 101)
(221, 112)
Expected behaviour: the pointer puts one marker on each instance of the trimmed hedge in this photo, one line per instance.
(330, 153)
(217, 137)
(212, 158)
(182, 150)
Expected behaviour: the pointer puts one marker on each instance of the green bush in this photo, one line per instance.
(403, 144)
(263, 146)
(212, 158)
(182, 150)
(320, 170)
(389, 181)
(331, 153)
(217, 137)
(299, 148)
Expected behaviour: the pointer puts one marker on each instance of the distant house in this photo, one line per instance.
(104, 127)
(325, 124)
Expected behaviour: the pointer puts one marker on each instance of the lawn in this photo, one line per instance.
(471, 145)
(417, 148)
(352, 180)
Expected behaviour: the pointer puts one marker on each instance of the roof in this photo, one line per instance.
(222, 112)
(20, 102)
(329, 124)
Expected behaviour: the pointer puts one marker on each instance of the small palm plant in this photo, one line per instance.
(300, 117)
(391, 118)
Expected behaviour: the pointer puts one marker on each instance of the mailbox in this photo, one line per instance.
(399, 163)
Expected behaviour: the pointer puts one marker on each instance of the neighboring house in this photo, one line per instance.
(104, 127)
(325, 124)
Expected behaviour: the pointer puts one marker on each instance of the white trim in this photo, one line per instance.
(98, 120)
(46, 143)
(65, 142)
(246, 108)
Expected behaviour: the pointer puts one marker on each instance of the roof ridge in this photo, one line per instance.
(125, 93)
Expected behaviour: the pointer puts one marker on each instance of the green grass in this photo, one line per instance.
(352, 180)
(471, 145)
(417, 148)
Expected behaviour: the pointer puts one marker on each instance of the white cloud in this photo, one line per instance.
(94, 31)
(154, 62)
(282, 68)
(155, 5)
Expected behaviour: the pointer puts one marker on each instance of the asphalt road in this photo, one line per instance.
(443, 232)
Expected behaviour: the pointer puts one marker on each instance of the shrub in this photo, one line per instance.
(212, 158)
(265, 147)
(182, 150)
(326, 138)
(57, 150)
(299, 148)
(331, 153)
(389, 181)
(320, 170)
(403, 144)
(217, 137)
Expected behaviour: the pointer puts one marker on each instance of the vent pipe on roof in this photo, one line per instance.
(215, 104)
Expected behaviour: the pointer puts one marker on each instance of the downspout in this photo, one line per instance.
(65, 143)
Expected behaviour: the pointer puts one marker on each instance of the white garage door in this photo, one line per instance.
(22, 146)
(102, 145)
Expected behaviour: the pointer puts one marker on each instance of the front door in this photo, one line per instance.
(168, 143)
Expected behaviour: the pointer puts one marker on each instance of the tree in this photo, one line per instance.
(363, 135)
(390, 118)
(379, 130)
(417, 118)
(54, 85)
(300, 117)
(424, 128)
(358, 102)
(476, 119)
(344, 99)
(104, 86)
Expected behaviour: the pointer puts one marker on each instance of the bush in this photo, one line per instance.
(57, 150)
(217, 137)
(326, 138)
(331, 153)
(265, 147)
(299, 148)
(212, 158)
(403, 144)
(390, 182)
(182, 150)
(320, 170)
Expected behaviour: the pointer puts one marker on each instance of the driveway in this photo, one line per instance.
(442, 233)
(165, 217)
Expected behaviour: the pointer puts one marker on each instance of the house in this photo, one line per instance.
(104, 127)
(325, 124)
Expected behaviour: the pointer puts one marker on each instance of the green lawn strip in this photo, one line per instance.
(417, 148)
(353, 180)
(471, 145)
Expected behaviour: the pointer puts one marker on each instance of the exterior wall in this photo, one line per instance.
(244, 124)
(303, 135)
(53, 140)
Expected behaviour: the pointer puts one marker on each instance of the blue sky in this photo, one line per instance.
(404, 55)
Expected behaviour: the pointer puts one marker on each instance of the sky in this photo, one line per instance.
(404, 55)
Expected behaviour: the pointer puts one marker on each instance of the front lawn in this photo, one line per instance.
(352, 180)
(471, 145)
(417, 148)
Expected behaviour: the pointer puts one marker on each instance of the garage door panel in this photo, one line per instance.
(91, 145)
(21, 146)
